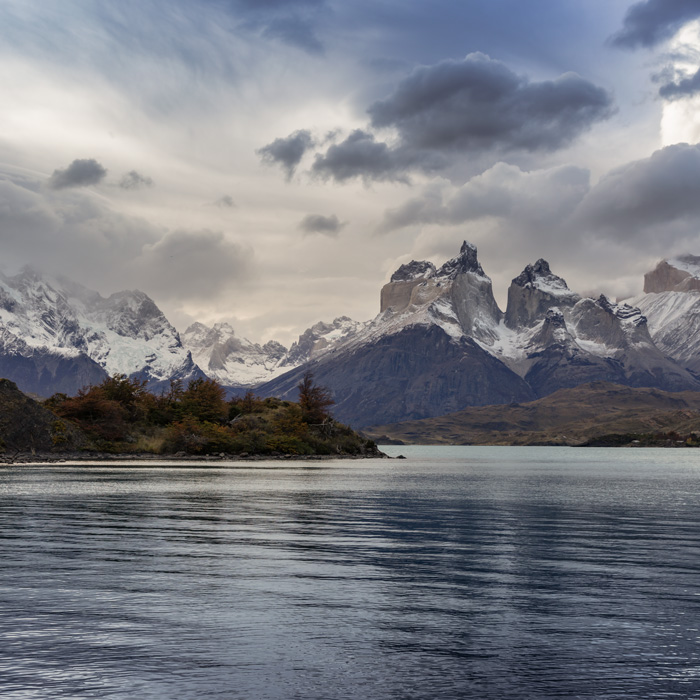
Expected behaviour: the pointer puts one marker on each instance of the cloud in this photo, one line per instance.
(133, 180)
(531, 203)
(76, 234)
(330, 226)
(685, 87)
(652, 202)
(289, 21)
(361, 155)
(80, 173)
(648, 23)
(194, 265)
(477, 106)
(225, 202)
(287, 152)
(268, 5)
(655, 195)
(296, 32)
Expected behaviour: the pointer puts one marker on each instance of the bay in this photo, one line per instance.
(459, 572)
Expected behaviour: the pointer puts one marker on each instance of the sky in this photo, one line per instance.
(270, 163)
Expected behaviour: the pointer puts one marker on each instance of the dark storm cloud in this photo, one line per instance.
(330, 226)
(650, 22)
(361, 155)
(646, 194)
(287, 152)
(683, 88)
(480, 104)
(133, 180)
(476, 105)
(80, 173)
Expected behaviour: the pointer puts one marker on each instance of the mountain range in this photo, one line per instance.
(440, 342)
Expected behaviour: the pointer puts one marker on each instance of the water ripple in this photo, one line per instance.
(455, 574)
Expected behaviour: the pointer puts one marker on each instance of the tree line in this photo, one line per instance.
(122, 415)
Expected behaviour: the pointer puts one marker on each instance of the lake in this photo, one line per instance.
(459, 572)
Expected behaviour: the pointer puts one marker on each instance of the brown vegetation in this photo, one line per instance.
(121, 416)
(567, 417)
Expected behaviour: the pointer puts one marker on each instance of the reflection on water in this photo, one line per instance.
(457, 573)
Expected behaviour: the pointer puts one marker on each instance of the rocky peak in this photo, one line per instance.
(624, 312)
(680, 274)
(274, 350)
(466, 261)
(540, 276)
(320, 336)
(551, 333)
(533, 291)
(415, 270)
(555, 317)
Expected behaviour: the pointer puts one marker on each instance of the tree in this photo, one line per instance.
(98, 415)
(205, 400)
(314, 400)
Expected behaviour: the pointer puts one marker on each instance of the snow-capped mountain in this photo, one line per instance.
(671, 303)
(239, 363)
(440, 342)
(232, 361)
(56, 335)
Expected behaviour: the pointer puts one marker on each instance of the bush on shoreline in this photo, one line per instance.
(121, 416)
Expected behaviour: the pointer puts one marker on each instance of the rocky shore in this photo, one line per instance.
(93, 457)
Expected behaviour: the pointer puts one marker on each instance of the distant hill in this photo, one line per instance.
(566, 417)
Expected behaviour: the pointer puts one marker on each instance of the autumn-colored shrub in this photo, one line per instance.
(195, 437)
(205, 400)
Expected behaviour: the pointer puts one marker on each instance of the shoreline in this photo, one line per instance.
(73, 457)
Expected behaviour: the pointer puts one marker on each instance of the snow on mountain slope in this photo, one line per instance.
(238, 362)
(674, 324)
(125, 333)
(440, 341)
(542, 312)
(230, 360)
(671, 304)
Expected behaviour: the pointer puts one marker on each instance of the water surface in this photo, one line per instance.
(456, 573)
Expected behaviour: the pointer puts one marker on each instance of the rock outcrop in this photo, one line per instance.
(26, 426)
(671, 304)
(681, 274)
(535, 290)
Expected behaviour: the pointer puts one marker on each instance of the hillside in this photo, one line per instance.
(567, 417)
(26, 426)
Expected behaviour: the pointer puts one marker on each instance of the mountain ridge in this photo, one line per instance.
(548, 338)
(569, 416)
